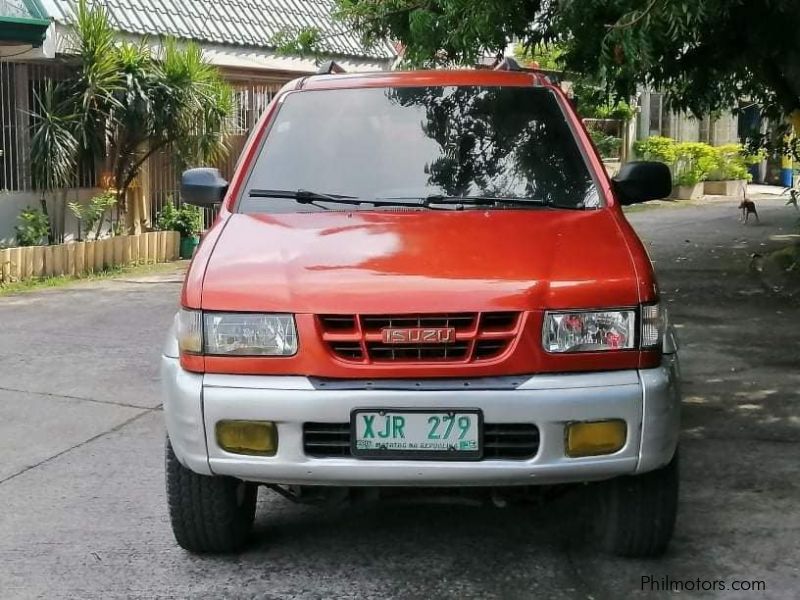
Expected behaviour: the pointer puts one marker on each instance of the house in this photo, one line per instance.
(655, 118)
(238, 36)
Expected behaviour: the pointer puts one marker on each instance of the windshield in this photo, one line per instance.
(414, 143)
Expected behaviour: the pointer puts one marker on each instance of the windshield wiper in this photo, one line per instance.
(309, 197)
(459, 202)
(304, 196)
(479, 200)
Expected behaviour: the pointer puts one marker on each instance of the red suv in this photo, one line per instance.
(421, 279)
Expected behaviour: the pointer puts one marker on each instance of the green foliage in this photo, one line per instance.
(303, 41)
(187, 220)
(706, 54)
(593, 98)
(618, 110)
(124, 103)
(662, 149)
(608, 145)
(547, 56)
(54, 147)
(167, 217)
(191, 105)
(92, 214)
(32, 228)
(595, 102)
(732, 162)
(692, 162)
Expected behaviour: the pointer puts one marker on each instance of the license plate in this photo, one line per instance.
(417, 434)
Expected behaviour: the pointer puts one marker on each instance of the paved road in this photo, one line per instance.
(82, 510)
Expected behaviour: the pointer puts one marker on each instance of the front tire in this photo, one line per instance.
(637, 513)
(208, 514)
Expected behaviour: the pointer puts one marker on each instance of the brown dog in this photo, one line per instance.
(748, 207)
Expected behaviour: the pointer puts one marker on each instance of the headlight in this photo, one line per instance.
(589, 331)
(239, 334)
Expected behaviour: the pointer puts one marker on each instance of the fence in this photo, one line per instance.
(22, 83)
(82, 258)
(163, 169)
(21, 86)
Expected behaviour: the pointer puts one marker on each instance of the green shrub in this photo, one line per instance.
(93, 213)
(732, 163)
(33, 227)
(188, 219)
(607, 145)
(693, 162)
(658, 148)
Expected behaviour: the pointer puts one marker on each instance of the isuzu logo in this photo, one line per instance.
(419, 335)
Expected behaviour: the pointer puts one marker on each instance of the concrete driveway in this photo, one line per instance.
(82, 508)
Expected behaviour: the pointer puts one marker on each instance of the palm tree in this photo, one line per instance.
(54, 149)
(123, 103)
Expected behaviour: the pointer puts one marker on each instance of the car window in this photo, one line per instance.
(412, 142)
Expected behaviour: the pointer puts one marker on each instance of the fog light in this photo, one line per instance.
(593, 438)
(247, 437)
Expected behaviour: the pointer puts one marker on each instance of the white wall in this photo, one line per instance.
(11, 203)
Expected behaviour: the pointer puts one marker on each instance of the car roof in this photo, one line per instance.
(450, 77)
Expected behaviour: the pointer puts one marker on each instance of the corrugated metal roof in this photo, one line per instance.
(22, 9)
(251, 23)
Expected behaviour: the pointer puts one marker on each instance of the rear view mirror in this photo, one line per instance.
(203, 186)
(640, 181)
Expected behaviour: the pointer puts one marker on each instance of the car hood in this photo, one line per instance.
(420, 261)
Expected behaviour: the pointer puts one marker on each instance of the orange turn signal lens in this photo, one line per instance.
(594, 438)
(259, 438)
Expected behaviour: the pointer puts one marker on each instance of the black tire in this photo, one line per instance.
(208, 514)
(637, 513)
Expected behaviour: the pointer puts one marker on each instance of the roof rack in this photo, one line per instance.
(508, 64)
(330, 67)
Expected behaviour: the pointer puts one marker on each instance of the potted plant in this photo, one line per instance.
(730, 174)
(186, 220)
(693, 162)
(687, 186)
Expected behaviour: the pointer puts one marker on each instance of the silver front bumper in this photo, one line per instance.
(648, 400)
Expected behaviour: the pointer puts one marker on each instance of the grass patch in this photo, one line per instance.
(31, 285)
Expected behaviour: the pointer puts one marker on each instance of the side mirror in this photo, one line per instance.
(640, 181)
(203, 186)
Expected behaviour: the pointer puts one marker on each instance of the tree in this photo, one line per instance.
(123, 103)
(54, 149)
(705, 54)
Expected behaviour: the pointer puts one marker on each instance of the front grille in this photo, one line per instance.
(326, 439)
(478, 337)
(510, 440)
(507, 441)
(380, 352)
